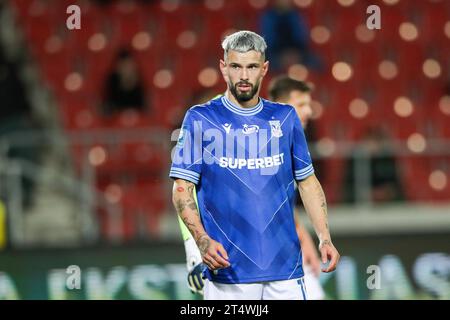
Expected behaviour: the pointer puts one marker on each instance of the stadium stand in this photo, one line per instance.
(173, 43)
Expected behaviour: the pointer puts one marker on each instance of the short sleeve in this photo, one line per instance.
(301, 158)
(187, 155)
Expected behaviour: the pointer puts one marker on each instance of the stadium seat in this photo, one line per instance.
(114, 25)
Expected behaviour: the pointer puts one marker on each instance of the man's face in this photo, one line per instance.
(243, 73)
(301, 101)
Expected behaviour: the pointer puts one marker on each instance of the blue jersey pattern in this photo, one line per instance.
(244, 163)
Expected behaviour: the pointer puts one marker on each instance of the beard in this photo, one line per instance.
(243, 96)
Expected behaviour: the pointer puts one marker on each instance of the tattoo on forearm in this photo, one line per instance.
(189, 224)
(192, 228)
(190, 189)
(192, 205)
(323, 201)
(325, 242)
(182, 204)
(203, 244)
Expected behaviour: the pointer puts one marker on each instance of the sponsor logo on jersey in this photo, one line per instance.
(253, 163)
(249, 129)
(227, 127)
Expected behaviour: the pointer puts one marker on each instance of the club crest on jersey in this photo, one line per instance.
(275, 128)
(249, 129)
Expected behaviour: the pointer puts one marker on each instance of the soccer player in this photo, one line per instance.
(297, 94)
(243, 155)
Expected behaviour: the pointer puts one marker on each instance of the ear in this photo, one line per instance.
(265, 68)
(223, 69)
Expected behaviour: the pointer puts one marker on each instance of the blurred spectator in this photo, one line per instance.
(374, 163)
(124, 89)
(16, 121)
(287, 36)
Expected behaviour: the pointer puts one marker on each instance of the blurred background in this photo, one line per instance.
(88, 118)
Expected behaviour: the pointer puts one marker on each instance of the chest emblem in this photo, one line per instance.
(275, 128)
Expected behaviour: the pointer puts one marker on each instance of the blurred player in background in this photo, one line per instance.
(243, 222)
(297, 94)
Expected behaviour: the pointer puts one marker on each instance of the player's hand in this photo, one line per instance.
(213, 253)
(328, 253)
(195, 279)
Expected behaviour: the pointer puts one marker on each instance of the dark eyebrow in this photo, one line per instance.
(234, 64)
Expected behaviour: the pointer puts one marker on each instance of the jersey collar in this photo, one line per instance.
(242, 111)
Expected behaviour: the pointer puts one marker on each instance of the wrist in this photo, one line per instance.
(200, 237)
(203, 243)
(325, 241)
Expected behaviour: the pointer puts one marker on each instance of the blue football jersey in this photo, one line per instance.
(244, 163)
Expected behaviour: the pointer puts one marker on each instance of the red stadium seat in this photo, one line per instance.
(78, 52)
(141, 214)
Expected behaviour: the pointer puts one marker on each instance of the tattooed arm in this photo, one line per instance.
(315, 204)
(213, 253)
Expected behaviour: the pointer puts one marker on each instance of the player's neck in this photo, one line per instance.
(247, 104)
